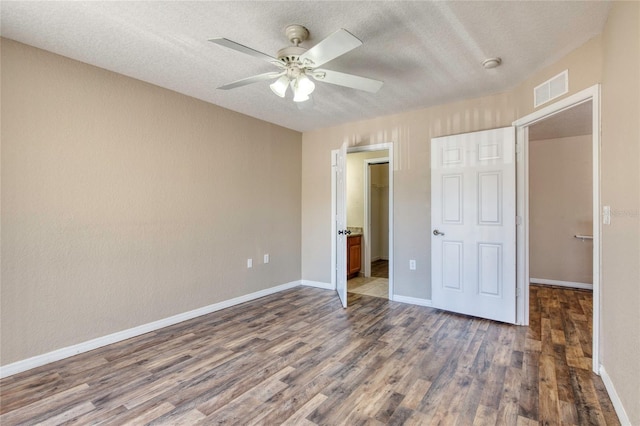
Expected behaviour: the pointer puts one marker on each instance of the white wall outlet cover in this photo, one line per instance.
(249, 263)
(412, 265)
(266, 258)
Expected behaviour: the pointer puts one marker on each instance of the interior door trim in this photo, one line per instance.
(522, 207)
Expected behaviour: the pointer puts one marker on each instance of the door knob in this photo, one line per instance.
(436, 232)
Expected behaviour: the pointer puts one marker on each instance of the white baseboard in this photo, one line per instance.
(318, 284)
(585, 286)
(412, 300)
(58, 354)
(615, 399)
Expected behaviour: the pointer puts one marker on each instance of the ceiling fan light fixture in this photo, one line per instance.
(279, 87)
(297, 64)
(305, 85)
(302, 87)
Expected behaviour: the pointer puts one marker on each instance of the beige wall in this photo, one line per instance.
(585, 69)
(124, 203)
(561, 206)
(380, 174)
(379, 231)
(355, 185)
(621, 190)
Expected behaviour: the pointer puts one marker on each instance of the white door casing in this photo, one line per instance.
(335, 245)
(589, 94)
(473, 216)
(339, 218)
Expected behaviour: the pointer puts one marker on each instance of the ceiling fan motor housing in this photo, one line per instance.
(291, 54)
(296, 33)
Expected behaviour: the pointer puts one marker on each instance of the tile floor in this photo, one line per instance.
(373, 286)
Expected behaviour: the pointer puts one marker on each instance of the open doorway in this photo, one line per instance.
(368, 223)
(558, 242)
(341, 229)
(561, 233)
(376, 206)
(561, 199)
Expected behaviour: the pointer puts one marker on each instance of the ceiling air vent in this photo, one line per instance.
(551, 89)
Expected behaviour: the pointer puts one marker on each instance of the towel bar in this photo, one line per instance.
(583, 237)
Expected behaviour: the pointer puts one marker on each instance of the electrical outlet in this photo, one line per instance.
(249, 263)
(412, 264)
(266, 258)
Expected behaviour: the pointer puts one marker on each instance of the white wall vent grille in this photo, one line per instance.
(551, 89)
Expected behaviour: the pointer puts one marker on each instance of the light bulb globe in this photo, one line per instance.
(305, 85)
(300, 97)
(279, 87)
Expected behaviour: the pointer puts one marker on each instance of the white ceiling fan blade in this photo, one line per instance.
(251, 80)
(348, 80)
(244, 49)
(337, 44)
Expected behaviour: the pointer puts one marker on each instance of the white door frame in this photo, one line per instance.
(522, 207)
(366, 231)
(377, 147)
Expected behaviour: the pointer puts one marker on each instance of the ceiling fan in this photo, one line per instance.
(297, 64)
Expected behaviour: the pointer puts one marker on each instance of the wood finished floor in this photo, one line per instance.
(380, 268)
(298, 358)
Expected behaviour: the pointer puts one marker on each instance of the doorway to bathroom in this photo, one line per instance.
(368, 201)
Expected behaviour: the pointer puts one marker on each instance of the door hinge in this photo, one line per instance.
(518, 292)
(518, 220)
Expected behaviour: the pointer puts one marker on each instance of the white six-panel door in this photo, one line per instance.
(473, 217)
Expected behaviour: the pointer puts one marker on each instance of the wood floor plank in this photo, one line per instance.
(415, 393)
(44, 408)
(524, 421)
(72, 413)
(509, 408)
(300, 416)
(31, 389)
(548, 390)
(148, 415)
(485, 416)
(299, 358)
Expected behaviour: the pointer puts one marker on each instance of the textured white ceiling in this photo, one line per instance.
(427, 53)
(576, 121)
